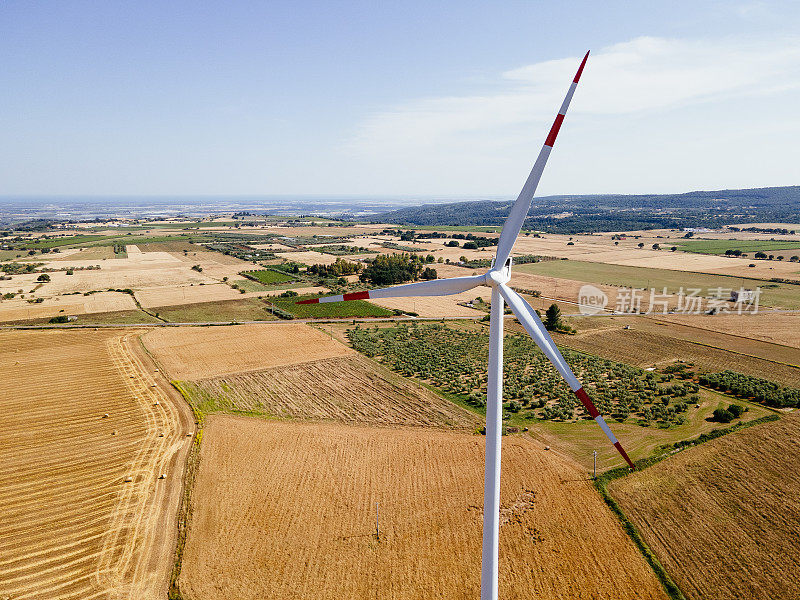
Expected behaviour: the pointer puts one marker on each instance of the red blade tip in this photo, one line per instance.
(580, 69)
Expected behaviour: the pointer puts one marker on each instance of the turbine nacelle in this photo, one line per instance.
(499, 276)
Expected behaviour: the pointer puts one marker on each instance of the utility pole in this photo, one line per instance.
(377, 523)
(594, 476)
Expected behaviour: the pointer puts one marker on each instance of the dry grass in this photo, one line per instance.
(203, 352)
(71, 527)
(346, 389)
(171, 295)
(777, 328)
(309, 257)
(18, 309)
(287, 510)
(724, 517)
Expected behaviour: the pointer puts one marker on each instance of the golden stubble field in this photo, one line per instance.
(71, 527)
(724, 517)
(287, 510)
(201, 352)
(350, 389)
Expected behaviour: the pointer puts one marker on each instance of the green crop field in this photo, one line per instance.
(351, 308)
(10, 254)
(748, 246)
(267, 276)
(783, 295)
(73, 240)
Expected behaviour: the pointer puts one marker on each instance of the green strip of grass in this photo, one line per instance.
(747, 246)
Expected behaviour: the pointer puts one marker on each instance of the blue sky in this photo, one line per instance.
(404, 99)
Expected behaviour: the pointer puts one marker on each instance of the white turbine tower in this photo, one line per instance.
(497, 277)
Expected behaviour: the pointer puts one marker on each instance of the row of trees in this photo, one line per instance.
(755, 388)
(339, 268)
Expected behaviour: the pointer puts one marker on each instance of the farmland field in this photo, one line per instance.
(749, 246)
(724, 517)
(646, 348)
(287, 510)
(783, 295)
(350, 389)
(71, 525)
(351, 308)
(246, 309)
(267, 276)
(202, 352)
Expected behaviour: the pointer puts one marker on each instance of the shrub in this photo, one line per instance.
(44, 278)
(722, 415)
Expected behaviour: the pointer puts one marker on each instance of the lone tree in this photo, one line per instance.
(429, 273)
(44, 278)
(723, 416)
(552, 318)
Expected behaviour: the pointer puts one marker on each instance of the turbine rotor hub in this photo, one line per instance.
(499, 276)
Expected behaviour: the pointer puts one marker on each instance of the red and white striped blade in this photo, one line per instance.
(534, 326)
(435, 287)
(516, 217)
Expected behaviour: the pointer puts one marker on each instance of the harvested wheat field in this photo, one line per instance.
(79, 419)
(202, 352)
(172, 295)
(19, 309)
(347, 389)
(724, 517)
(778, 328)
(287, 510)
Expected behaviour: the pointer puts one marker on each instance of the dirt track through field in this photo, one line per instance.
(71, 527)
(287, 510)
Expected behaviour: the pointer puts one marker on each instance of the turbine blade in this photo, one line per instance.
(435, 287)
(516, 217)
(534, 326)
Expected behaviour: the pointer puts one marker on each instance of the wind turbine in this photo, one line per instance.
(497, 278)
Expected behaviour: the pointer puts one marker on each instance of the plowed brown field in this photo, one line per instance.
(348, 389)
(724, 517)
(202, 352)
(287, 510)
(70, 525)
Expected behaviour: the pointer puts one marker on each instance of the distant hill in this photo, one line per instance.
(617, 212)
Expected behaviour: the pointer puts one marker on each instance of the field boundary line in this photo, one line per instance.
(603, 480)
(185, 509)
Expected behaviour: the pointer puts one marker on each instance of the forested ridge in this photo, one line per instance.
(617, 212)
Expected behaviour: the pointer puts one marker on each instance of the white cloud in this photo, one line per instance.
(641, 76)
